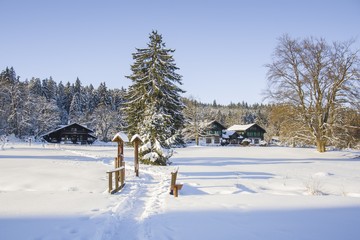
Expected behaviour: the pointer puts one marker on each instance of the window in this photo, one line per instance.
(208, 140)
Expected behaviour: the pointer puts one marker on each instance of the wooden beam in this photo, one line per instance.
(119, 178)
(110, 181)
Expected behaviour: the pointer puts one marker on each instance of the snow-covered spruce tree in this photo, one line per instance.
(153, 104)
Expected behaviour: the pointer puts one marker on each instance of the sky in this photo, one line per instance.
(221, 47)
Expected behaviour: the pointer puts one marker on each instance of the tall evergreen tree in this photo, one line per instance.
(10, 101)
(154, 107)
(61, 100)
(76, 112)
(77, 86)
(35, 87)
(103, 96)
(69, 92)
(49, 88)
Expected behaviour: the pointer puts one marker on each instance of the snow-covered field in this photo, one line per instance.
(60, 192)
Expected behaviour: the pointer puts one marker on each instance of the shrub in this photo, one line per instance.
(246, 142)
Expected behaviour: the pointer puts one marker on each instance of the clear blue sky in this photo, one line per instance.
(221, 46)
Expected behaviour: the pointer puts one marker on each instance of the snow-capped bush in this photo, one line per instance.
(263, 143)
(246, 142)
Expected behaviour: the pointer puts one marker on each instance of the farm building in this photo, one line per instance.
(212, 133)
(72, 133)
(250, 131)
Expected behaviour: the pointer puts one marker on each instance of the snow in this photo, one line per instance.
(240, 127)
(136, 136)
(60, 192)
(122, 136)
(227, 133)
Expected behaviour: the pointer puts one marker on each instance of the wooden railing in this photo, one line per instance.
(119, 178)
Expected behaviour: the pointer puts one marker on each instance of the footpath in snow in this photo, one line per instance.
(60, 192)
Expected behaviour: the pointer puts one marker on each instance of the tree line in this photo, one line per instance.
(313, 99)
(36, 106)
(32, 108)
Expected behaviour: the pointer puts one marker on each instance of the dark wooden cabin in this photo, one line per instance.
(212, 133)
(72, 133)
(231, 137)
(250, 131)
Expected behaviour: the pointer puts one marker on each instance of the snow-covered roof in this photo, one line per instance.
(227, 133)
(122, 136)
(65, 126)
(240, 127)
(205, 124)
(135, 137)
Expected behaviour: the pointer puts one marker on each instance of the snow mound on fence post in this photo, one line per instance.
(122, 136)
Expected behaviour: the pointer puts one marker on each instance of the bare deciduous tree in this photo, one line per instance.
(318, 80)
(195, 118)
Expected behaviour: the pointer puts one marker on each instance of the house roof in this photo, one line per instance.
(240, 127)
(243, 127)
(122, 136)
(136, 136)
(65, 126)
(215, 122)
(227, 133)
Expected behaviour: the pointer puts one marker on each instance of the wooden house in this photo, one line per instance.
(211, 133)
(253, 132)
(230, 137)
(72, 133)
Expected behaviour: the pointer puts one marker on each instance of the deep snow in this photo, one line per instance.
(60, 192)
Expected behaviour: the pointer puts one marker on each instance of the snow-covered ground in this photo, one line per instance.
(60, 192)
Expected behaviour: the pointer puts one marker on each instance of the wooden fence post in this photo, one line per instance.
(136, 158)
(136, 140)
(120, 138)
(110, 182)
(119, 179)
(116, 180)
(122, 175)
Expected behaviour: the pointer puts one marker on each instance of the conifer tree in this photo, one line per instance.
(154, 106)
(35, 87)
(103, 96)
(75, 109)
(49, 88)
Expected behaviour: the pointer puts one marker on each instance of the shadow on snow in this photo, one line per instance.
(274, 224)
